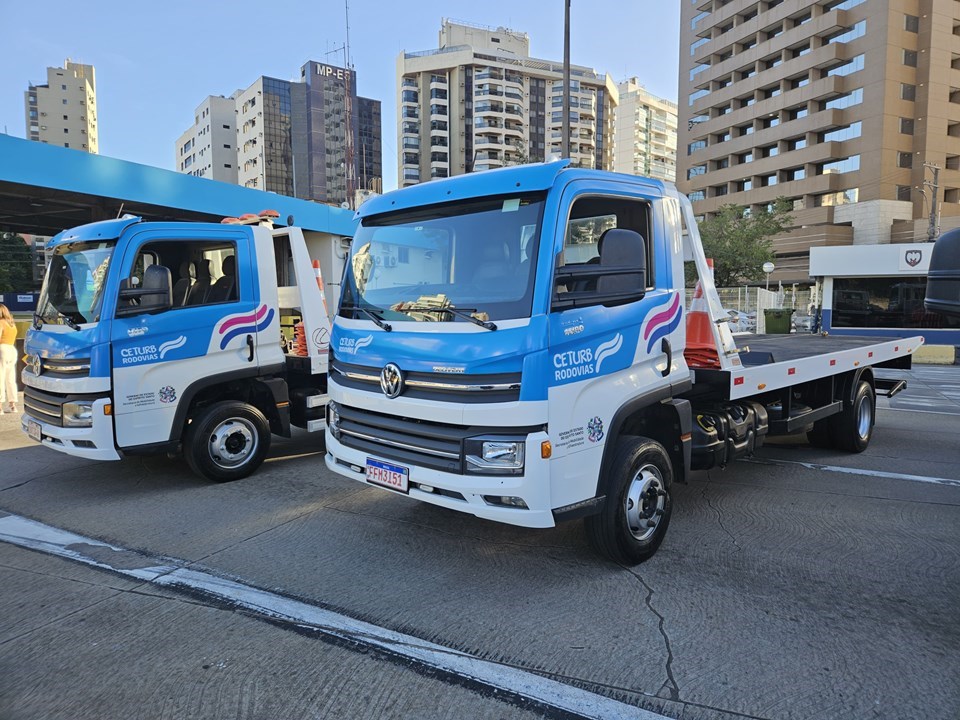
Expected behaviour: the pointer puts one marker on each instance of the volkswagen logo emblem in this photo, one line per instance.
(391, 380)
(37, 365)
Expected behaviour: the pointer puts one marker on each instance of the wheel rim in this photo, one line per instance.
(644, 502)
(233, 442)
(864, 418)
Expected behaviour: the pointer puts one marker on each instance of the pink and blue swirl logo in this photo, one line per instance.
(662, 320)
(250, 323)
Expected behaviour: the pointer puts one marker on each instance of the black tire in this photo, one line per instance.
(822, 434)
(227, 441)
(853, 427)
(636, 514)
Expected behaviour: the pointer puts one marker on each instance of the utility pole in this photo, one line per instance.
(565, 126)
(932, 229)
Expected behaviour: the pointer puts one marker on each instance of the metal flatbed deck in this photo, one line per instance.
(772, 362)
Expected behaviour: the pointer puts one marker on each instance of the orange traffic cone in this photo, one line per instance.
(299, 341)
(701, 349)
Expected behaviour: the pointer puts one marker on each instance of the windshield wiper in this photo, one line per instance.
(453, 311)
(380, 322)
(68, 321)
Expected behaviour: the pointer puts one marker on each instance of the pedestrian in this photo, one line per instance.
(8, 361)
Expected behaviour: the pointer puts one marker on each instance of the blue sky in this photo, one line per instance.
(156, 61)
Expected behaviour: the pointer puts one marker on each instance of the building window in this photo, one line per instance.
(771, 91)
(850, 164)
(904, 192)
(906, 126)
(796, 143)
(843, 101)
(744, 185)
(695, 171)
(848, 132)
(747, 101)
(721, 164)
(799, 82)
(908, 92)
(888, 302)
(696, 95)
(848, 34)
(745, 130)
(905, 159)
(909, 59)
(794, 174)
(64, 101)
(748, 73)
(697, 43)
(769, 151)
(719, 190)
(768, 180)
(769, 122)
(696, 196)
(847, 68)
(911, 23)
(744, 158)
(696, 145)
(772, 62)
(797, 113)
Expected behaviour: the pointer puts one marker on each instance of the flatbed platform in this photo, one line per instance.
(773, 362)
(767, 349)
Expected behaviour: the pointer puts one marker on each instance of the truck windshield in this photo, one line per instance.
(474, 257)
(73, 288)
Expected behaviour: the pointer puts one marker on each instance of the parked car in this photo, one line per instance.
(804, 323)
(741, 321)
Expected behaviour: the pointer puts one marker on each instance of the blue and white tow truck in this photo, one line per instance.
(160, 337)
(514, 344)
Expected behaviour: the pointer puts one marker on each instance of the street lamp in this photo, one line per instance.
(768, 267)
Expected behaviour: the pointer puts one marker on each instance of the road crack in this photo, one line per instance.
(670, 684)
(703, 494)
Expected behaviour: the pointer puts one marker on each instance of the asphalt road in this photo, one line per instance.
(802, 584)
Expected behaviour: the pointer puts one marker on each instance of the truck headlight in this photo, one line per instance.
(494, 456)
(333, 419)
(78, 414)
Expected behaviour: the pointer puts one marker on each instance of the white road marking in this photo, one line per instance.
(857, 471)
(173, 574)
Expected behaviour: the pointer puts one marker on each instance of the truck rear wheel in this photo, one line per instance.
(634, 519)
(227, 441)
(853, 427)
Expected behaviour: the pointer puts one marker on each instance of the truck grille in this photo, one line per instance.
(412, 442)
(48, 406)
(442, 387)
(64, 368)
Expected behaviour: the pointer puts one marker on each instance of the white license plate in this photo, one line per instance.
(395, 477)
(33, 430)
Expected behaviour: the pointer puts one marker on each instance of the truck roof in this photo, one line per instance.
(502, 181)
(103, 230)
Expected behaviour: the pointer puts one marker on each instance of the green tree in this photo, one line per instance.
(16, 267)
(739, 241)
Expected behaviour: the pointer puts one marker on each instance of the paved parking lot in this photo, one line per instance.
(803, 584)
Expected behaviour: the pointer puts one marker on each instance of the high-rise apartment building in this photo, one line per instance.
(209, 148)
(838, 105)
(646, 133)
(314, 139)
(480, 101)
(64, 111)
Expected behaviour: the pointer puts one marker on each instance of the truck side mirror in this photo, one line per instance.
(943, 277)
(156, 294)
(624, 260)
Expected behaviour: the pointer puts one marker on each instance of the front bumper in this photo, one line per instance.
(92, 443)
(465, 493)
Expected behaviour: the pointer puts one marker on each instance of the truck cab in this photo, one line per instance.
(157, 337)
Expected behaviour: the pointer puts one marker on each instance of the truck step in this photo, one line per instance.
(318, 400)
(316, 425)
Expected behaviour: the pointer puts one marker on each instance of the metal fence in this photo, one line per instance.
(752, 301)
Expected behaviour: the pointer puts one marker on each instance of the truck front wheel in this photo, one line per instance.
(227, 441)
(853, 427)
(635, 516)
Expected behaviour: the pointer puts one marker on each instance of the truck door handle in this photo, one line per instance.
(250, 346)
(667, 348)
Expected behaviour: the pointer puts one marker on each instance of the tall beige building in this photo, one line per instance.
(208, 149)
(837, 105)
(64, 111)
(646, 133)
(480, 101)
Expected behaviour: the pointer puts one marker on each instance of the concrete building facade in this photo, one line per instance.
(63, 112)
(480, 101)
(315, 139)
(209, 148)
(646, 133)
(838, 105)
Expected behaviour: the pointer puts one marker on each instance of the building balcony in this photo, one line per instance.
(487, 92)
(513, 130)
(488, 140)
(488, 75)
(488, 123)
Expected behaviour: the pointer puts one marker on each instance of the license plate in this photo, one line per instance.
(395, 477)
(33, 430)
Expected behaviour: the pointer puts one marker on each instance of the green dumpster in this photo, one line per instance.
(777, 320)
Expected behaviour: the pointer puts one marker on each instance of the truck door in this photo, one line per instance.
(604, 354)
(161, 359)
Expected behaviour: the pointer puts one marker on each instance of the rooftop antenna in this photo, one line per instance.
(348, 131)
